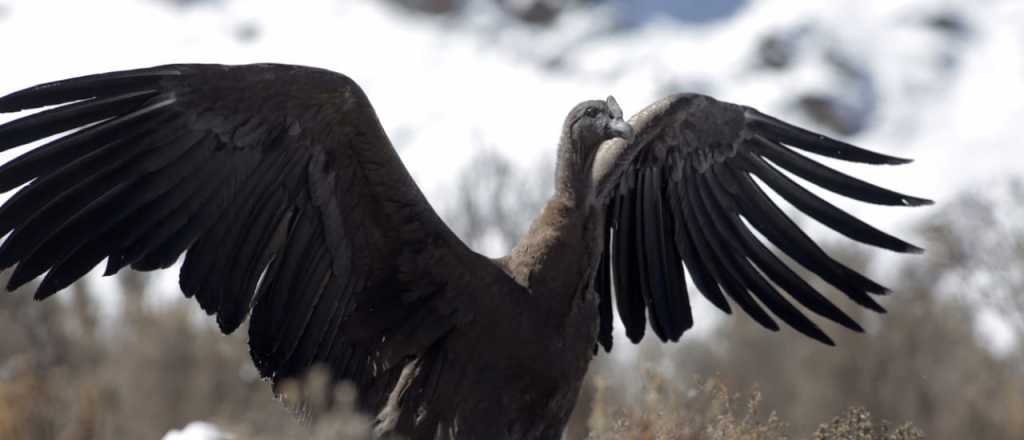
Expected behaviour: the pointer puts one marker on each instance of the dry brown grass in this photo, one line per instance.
(857, 424)
(708, 410)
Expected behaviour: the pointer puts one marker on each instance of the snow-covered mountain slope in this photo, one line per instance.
(937, 81)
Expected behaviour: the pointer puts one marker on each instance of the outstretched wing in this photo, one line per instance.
(687, 196)
(279, 183)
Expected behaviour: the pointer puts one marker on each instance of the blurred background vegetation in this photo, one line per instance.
(139, 365)
(70, 370)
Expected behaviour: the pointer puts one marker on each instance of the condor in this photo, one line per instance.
(290, 205)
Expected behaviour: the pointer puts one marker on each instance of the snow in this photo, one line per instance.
(197, 431)
(447, 87)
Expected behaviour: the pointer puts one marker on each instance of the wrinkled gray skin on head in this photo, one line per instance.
(588, 125)
(593, 122)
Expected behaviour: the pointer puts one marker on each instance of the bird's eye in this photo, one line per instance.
(591, 112)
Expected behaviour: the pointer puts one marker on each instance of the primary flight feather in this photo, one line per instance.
(292, 208)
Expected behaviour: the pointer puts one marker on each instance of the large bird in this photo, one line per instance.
(291, 207)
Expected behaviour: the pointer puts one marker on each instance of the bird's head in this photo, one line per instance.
(592, 122)
(588, 125)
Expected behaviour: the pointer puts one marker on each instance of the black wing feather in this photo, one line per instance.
(278, 186)
(830, 179)
(42, 192)
(603, 287)
(270, 219)
(137, 184)
(658, 260)
(652, 278)
(691, 166)
(60, 152)
(815, 143)
(85, 87)
(787, 236)
(729, 272)
(753, 280)
(307, 290)
(172, 235)
(774, 268)
(675, 279)
(271, 313)
(701, 274)
(626, 273)
(61, 119)
(195, 185)
(235, 233)
(825, 212)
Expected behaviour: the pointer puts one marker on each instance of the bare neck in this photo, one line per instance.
(553, 259)
(572, 181)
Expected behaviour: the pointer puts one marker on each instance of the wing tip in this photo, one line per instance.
(22, 99)
(875, 158)
(5, 103)
(879, 290)
(17, 280)
(768, 323)
(42, 294)
(916, 201)
(814, 332)
(48, 287)
(635, 335)
(844, 320)
(894, 160)
(824, 339)
(855, 327)
(227, 326)
(877, 308)
(911, 249)
(860, 296)
(17, 101)
(84, 87)
(818, 143)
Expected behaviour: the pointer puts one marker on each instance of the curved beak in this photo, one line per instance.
(618, 128)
